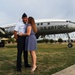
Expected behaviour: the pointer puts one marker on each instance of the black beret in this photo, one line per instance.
(24, 15)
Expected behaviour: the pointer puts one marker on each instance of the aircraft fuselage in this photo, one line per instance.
(48, 27)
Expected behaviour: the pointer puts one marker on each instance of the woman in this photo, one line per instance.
(31, 42)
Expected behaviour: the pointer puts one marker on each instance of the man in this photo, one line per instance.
(20, 27)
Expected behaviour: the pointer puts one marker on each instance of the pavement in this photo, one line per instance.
(68, 71)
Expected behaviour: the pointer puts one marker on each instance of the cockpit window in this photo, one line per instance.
(67, 21)
(70, 22)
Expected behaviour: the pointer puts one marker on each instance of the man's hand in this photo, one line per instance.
(20, 34)
(15, 35)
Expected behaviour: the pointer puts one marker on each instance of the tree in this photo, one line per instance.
(46, 40)
(60, 40)
(40, 41)
(11, 40)
(51, 41)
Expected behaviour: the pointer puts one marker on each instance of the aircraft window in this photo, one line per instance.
(41, 23)
(48, 23)
(37, 23)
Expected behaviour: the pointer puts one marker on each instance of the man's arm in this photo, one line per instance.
(27, 33)
(15, 34)
(16, 30)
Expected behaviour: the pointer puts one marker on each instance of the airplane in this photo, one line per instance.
(45, 27)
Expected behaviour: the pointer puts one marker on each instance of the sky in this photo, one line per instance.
(12, 10)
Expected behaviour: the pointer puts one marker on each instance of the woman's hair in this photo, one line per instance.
(32, 22)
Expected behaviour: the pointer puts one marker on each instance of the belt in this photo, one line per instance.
(21, 36)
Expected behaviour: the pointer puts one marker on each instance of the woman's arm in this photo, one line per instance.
(27, 33)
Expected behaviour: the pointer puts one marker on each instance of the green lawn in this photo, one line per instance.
(51, 58)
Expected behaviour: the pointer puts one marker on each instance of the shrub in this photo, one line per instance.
(60, 40)
(51, 41)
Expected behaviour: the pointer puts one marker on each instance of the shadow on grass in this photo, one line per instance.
(11, 46)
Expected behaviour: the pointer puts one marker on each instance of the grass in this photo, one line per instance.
(51, 58)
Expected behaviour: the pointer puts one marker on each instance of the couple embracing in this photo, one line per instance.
(24, 33)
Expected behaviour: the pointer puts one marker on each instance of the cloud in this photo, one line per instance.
(11, 10)
(4, 18)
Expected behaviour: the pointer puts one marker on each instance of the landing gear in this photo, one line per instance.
(70, 45)
(2, 43)
(37, 36)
